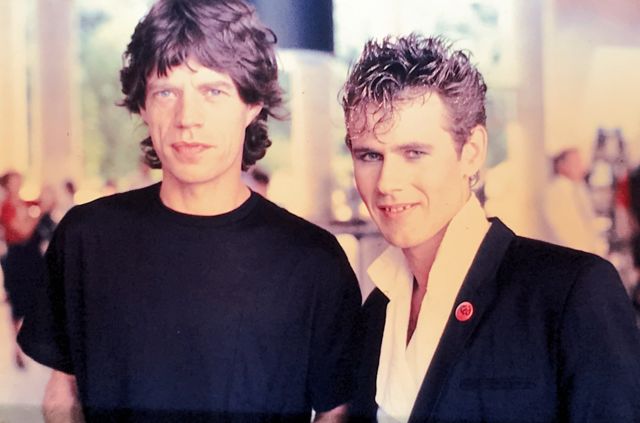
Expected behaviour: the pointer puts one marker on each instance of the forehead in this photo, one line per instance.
(192, 70)
(411, 117)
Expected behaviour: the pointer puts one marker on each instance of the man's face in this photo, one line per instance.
(197, 123)
(409, 174)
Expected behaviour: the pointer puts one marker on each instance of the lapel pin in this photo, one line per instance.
(464, 311)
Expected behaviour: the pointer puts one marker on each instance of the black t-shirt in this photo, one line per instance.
(163, 316)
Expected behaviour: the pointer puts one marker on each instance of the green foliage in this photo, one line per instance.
(110, 134)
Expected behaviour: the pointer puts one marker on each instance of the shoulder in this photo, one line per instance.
(531, 255)
(113, 209)
(558, 274)
(315, 253)
(295, 230)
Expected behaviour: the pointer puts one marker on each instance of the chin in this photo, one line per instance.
(408, 239)
(399, 241)
(194, 174)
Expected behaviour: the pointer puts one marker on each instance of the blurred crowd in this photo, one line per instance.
(26, 226)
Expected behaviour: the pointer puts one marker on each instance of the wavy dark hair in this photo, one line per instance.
(405, 67)
(223, 35)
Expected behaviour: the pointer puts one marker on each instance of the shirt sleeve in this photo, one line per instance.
(44, 333)
(334, 345)
(599, 366)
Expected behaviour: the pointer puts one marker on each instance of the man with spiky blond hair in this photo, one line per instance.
(469, 322)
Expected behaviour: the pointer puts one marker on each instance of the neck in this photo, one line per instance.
(420, 258)
(204, 199)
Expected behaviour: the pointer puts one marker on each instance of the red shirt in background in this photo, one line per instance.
(8, 213)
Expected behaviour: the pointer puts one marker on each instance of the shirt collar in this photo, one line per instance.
(390, 271)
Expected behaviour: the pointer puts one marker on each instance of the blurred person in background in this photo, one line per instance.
(27, 227)
(568, 208)
(3, 243)
(109, 187)
(196, 299)
(47, 204)
(65, 200)
(141, 177)
(469, 322)
(634, 208)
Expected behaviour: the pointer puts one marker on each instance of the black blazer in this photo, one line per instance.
(552, 338)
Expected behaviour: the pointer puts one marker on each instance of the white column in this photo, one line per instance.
(315, 124)
(14, 136)
(56, 116)
(528, 152)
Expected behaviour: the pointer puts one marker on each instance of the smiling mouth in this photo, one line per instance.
(397, 209)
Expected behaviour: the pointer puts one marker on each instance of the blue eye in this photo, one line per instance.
(414, 154)
(163, 93)
(213, 92)
(369, 156)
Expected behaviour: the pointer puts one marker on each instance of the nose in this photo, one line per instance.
(189, 111)
(390, 176)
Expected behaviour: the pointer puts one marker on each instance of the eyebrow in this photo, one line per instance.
(163, 84)
(414, 146)
(402, 147)
(158, 84)
(360, 150)
(218, 84)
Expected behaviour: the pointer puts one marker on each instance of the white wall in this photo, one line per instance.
(592, 59)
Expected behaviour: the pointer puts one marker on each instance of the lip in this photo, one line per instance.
(189, 145)
(189, 151)
(396, 209)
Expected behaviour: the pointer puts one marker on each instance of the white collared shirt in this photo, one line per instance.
(402, 367)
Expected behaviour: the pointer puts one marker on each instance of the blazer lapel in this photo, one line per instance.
(479, 289)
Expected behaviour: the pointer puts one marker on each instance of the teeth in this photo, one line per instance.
(396, 209)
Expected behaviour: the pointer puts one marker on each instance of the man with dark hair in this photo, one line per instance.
(196, 299)
(469, 322)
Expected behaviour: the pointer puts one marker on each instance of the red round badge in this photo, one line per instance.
(464, 311)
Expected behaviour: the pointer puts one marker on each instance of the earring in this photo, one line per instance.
(473, 179)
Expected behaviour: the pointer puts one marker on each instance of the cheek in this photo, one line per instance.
(158, 122)
(229, 114)
(433, 186)
(365, 181)
(447, 174)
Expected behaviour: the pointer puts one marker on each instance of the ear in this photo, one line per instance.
(252, 111)
(474, 151)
